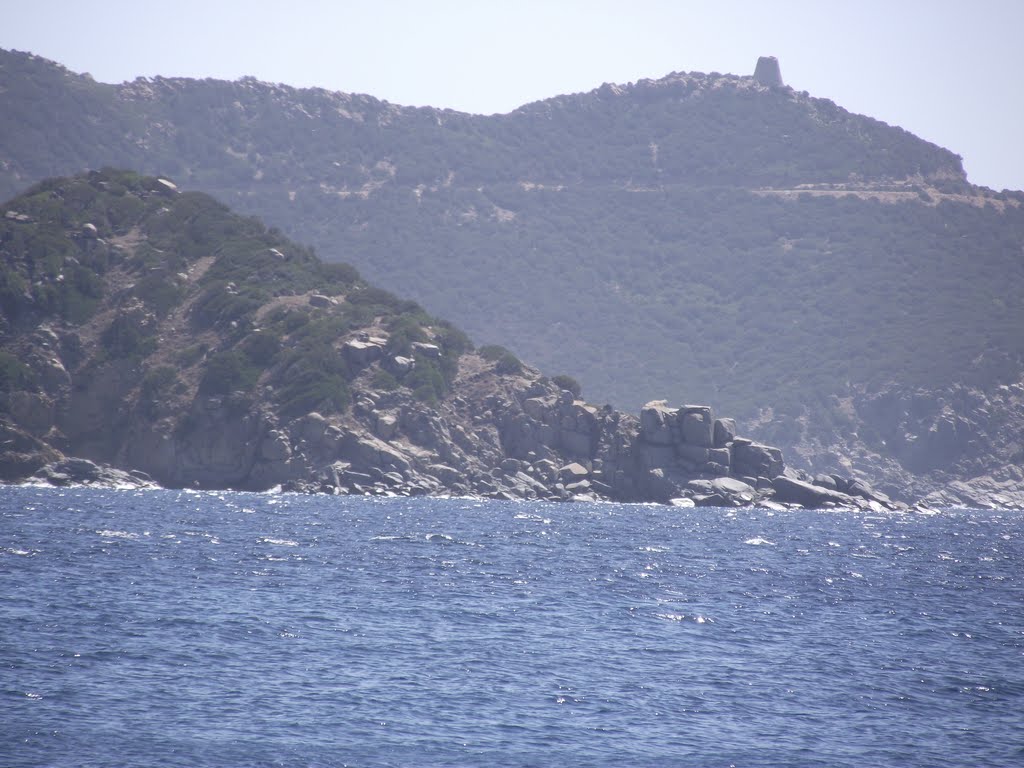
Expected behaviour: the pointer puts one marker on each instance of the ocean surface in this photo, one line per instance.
(167, 628)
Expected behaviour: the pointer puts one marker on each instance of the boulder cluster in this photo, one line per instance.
(513, 438)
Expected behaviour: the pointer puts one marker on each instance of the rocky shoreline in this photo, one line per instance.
(140, 351)
(957, 445)
(526, 440)
(787, 491)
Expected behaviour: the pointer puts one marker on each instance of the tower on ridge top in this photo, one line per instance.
(767, 72)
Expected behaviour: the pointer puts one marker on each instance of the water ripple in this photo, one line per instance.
(216, 629)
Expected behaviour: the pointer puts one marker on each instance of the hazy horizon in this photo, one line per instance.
(943, 72)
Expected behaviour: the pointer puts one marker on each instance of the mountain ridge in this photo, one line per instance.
(933, 162)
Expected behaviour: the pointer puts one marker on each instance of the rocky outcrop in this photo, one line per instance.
(678, 445)
(84, 472)
(22, 453)
(523, 438)
(952, 446)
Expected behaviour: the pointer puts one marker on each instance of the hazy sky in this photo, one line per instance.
(950, 71)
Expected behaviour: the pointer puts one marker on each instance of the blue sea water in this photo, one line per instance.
(167, 628)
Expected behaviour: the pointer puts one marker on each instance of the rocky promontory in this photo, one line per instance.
(154, 336)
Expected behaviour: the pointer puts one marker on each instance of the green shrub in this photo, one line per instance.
(426, 381)
(191, 355)
(78, 294)
(507, 363)
(403, 331)
(218, 305)
(14, 374)
(12, 293)
(124, 338)
(313, 377)
(156, 385)
(261, 348)
(226, 372)
(454, 341)
(384, 381)
(381, 301)
(492, 352)
(159, 292)
(338, 275)
(568, 382)
(158, 381)
(288, 320)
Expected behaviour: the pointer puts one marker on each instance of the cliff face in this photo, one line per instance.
(160, 333)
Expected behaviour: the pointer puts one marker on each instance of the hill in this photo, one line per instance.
(701, 237)
(161, 333)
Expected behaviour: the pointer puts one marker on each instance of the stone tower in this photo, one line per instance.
(767, 72)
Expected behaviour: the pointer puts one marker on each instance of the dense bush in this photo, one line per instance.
(221, 304)
(226, 372)
(126, 338)
(314, 378)
(569, 383)
(14, 374)
(160, 292)
(384, 381)
(426, 381)
(261, 348)
(506, 362)
(158, 381)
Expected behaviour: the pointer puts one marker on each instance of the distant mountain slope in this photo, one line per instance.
(685, 128)
(700, 237)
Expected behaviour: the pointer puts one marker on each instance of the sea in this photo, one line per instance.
(178, 628)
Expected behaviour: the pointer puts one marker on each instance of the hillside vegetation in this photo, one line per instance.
(160, 332)
(700, 237)
(124, 300)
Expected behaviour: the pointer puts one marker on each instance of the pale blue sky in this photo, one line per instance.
(949, 71)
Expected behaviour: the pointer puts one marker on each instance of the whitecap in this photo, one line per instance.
(757, 541)
(278, 542)
(117, 534)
